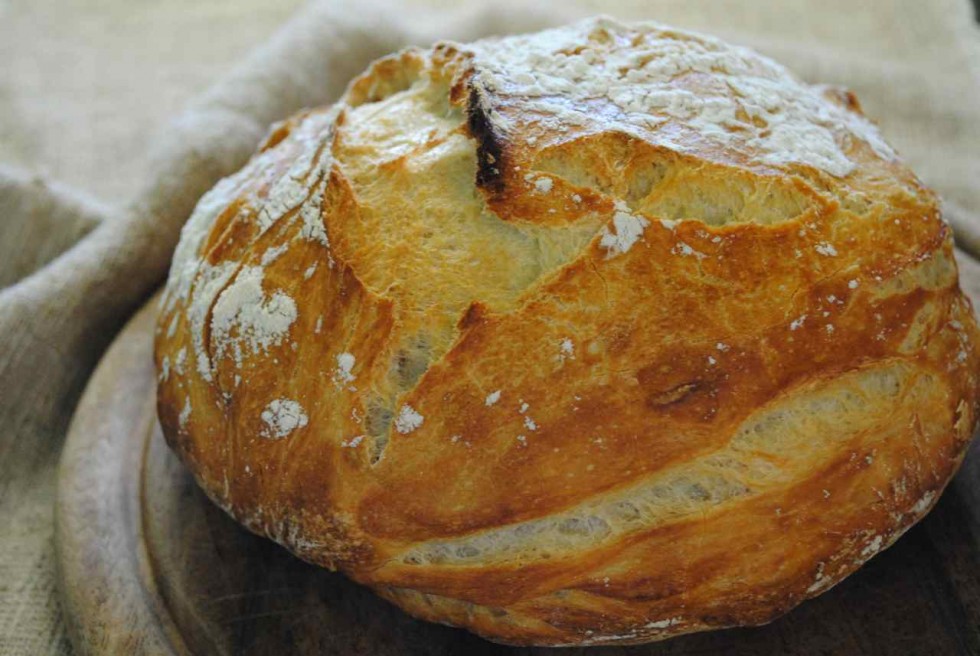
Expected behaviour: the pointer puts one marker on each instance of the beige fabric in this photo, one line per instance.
(88, 87)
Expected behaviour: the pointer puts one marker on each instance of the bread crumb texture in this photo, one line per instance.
(598, 335)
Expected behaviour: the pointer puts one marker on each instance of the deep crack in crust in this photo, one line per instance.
(489, 152)
(561, 359)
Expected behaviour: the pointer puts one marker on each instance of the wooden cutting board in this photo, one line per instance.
(149, 566)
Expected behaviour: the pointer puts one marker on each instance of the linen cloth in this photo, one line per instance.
(99, 166)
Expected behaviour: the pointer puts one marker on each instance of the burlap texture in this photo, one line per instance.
(89, 96)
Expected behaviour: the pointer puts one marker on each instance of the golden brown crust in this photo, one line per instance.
(535, 354)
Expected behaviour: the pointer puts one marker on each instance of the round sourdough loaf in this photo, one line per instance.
(598, 335)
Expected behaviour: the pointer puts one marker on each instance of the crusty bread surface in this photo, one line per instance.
(598, 335)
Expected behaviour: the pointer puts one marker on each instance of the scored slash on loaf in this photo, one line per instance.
(598, 335)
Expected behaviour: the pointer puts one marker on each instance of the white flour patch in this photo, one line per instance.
(246, 319)
(826, 249)
(353, 442)
(923, 504)
(408, 419)
(180, 361)
(492, 398)
(286, 194)
(663, 624)
(185, 413)
(820, 581)
(345, 367)
(274, 254)
(872, 547)
(310, 214)
(628, 230)
(282, 417)
(683, 248)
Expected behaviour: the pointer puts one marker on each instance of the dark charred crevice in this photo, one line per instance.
(489, 150)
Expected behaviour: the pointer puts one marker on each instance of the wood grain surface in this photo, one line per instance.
(150, 566)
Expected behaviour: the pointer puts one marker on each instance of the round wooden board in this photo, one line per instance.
(150, 566)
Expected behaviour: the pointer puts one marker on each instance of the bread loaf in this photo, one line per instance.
(598, 335)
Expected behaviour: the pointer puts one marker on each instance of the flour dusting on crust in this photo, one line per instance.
(674, 88)
(281, 417)
(628, 228)
(246, 319)
(408, 419)
(185, 413)
(345, 367)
